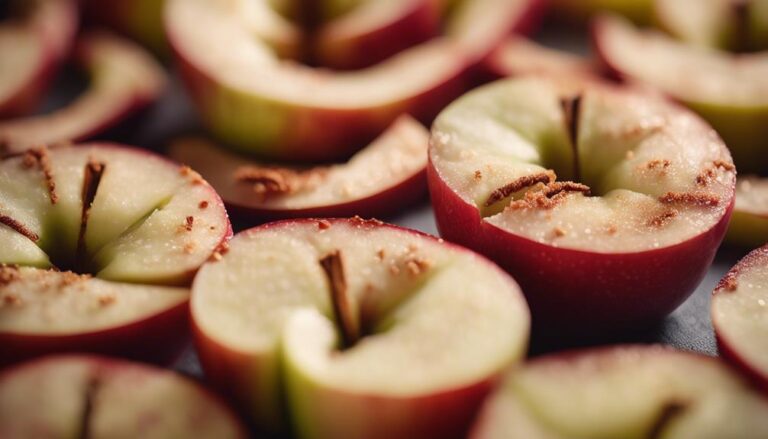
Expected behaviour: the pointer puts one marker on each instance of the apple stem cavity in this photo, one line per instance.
(519, 184)
(91, 179)
(669, 412)
(333, 267)
(18, 228)
(91, 389)
(571, 107)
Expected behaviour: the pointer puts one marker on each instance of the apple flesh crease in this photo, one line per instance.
(581, 11)
(620, 249)
(624, 392)
(31, 50)
(94, 242)
(740, 315)
(354, 328)
(124, 80)
(729, 91)
(379, 180)
(519, 56)
(71, 396)
(261, 104)
(725, 24)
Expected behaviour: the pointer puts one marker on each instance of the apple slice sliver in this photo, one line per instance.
(627, 392)
(740, 315)
(124, 79)
(519, 56)
(387, 174)
(749, 223)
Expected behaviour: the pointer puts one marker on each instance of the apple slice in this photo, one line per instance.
(124, 80)
(581, 11)
(740, 315)
(362, 329)
(31, 50)
(749, 223)
(387, 175)
(97, 397)
(520, 56)
(624, 392)
(729, 91)
(114, 215)
(607, 205)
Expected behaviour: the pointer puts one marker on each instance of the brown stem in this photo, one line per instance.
(333, 267)
(519, 184)
(571, 107)
(94, 171)
(19, 227)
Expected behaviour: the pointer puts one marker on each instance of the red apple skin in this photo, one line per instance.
(383, 204)
(421, 23)
(577, 292)
(58, 38)
(159, 339)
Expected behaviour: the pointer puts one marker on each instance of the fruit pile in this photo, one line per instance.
(579, 202)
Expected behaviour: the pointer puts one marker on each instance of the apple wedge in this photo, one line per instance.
(276, 108)
(606, 204)
(740, 315)
(624, 392)
(581, 11)
(749, 223)
(387, 175)
(519, 56)
(729, 91)
(80, 225)
(124, 80)
(94, 397)
(357, 328)
(31, 49)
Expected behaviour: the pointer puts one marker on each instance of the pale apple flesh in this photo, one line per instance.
(97, 397)
(625, 391)
(519, 56)
(729, 91)
(740, 315)
(580, 191)
(355, 317)
(31, 50)
(383, 177)
(124, 80)
(749, 223)
(125, 217)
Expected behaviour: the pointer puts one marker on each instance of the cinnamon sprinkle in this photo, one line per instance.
(188, 223)
(519, 184)
(8, 275)
(416, 266)
(662, 219)
(11, 299)
(39, 157)
(19, 228)
(728, 283)
(203, 205)
(558, 232)
(267, 181)
(323, 224)
(701, 199)
(478, 175)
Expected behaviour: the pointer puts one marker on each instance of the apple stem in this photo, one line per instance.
(670, 411)
(333, 267)
(18, 228)
(519, 184)
(94, 383)
(94, 171)
(571, 107)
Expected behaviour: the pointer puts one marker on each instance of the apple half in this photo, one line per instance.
(623, 392)
(92, 238)
(277, 108)
(606, 204)
(124, 80)
(72, 396)
(379, 180)
(740, 315)
(357, 329)
(519, 56)
(729, 91)
(31, 49)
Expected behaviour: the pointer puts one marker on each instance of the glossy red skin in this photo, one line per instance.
(573, 292)
(418, 25)
(110, 364)
(382, 204)
(444, 414)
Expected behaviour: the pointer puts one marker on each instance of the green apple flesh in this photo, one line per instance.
(749, 223)
(97, 397)
(729, 91)
(361, 329)
(627, 392)
(124, 79)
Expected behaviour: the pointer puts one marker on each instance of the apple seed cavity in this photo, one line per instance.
(91, 179)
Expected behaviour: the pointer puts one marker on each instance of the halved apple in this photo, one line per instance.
(580, 11)
(624, 392)
(740, 315)
(386, 176)
(749, 223)
(84, 396)
(356, 329)
(729, 91)
(607, 205)
(124, 80)
(31, 50)
(117, 216)
(277, 108)
(519, 56)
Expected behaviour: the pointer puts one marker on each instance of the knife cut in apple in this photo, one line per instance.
(71, 396)
(729, 90)
(384, 177)
(624, 392)
(278, 108)
(32, 47)
(124, 80)
(606, 204)
(519, 56)
(353, 328)
(749, 223)
(94, 242)
(740, 315)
